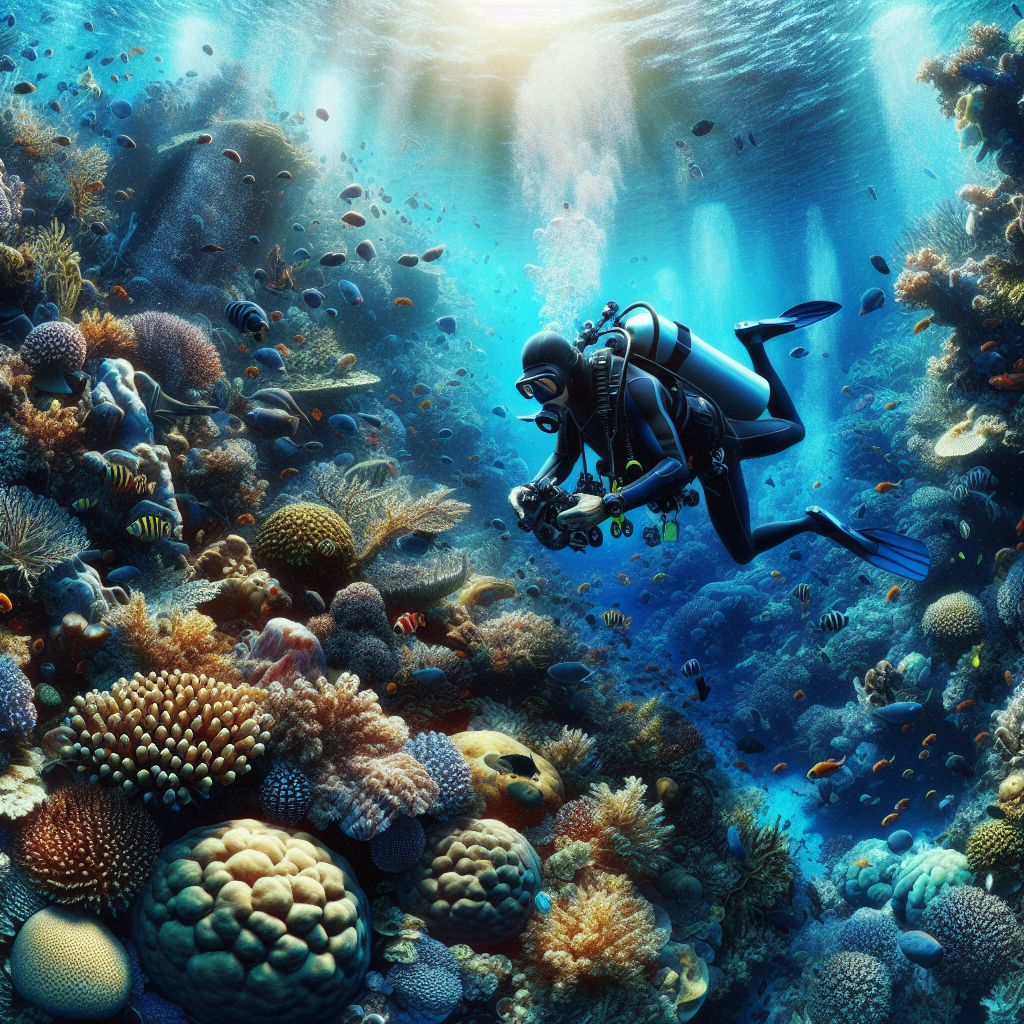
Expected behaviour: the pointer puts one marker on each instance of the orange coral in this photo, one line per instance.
(106, 336)
(602, 931)
(987, 44)
(185, 639)
(362, 777)
(55, 430)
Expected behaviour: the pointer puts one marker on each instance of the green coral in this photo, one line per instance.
(767, 871)
(994, 845)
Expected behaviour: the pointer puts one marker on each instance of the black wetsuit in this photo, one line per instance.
(691, 431)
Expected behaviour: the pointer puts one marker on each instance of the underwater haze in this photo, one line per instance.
(511, 512)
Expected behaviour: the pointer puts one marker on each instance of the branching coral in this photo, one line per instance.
(176, 352)
(106, 336)
(186, 639)
(767, 871)
(987, 44)
(362, 777)
(596, 933)
(55, 431)
(57, 266)
(84, 169)
(36, 534)
(569, 750)
(226, 477)
(524, 640)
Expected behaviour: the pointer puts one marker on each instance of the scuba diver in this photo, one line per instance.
(662, 408)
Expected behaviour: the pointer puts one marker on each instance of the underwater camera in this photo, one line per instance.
(542, 503)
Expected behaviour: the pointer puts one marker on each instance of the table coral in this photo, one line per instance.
(242, 921)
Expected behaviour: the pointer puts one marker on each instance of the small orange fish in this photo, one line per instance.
(988, 346)
(799, 695)
(742, 765)
(395, 398)
(425, 404)
(403, 301)
(246, 519)
(1007, 678)
(462, 655)
(242, 347)
(816, 485)
(634, 557)
(418, 389)
(906, 728)
(118, 292)
(903, 804)
(1008, 382)
(252, 372)
(964, 706)
(924, 755)
(38, 644)
(298, 339)
(922, 325)
(283, 349)
(412, 430)
(276, 315)
(95, 186)
(776, 575)
(889, 406)
(287, 474)
(780, 767)
(894, 592)
(890, 819)
(981, 738)
(884, 763)
(862, 863)
(885, 487)
(992, 322)
(824, 769)
(929, 739)
(5, 604)
(317, 415)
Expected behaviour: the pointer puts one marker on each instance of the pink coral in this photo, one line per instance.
(177, 353)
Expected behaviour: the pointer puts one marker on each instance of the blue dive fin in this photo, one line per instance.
(754, 332)
(891, 552)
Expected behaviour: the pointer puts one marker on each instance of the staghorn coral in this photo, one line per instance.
(475, 882)
(242, 921)
(852, 987)
(36, 534)
(57, 266)
(597, 933)
(362, 777)
(21, 788)
(107, 337)
(954, 622)
(176, 352)
(167, 735)
(185, 638)
(994, 846)
(89, 849)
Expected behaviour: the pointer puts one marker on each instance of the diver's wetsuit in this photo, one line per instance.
(678, 437)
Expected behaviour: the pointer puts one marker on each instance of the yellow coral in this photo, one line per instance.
(55, 429)
(106, 336)
(995, 845)
(83, 170)
(57, 266)
(597, 933)
(629, 835)
(569, 750)
(521, 640)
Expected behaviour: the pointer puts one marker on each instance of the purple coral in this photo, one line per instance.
(17, 711)
(448, 768)
(52, 349)
(176, 352)
(430, 986)
(360, 639)
(400, 846)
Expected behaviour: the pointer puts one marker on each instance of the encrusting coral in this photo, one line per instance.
(362, 776)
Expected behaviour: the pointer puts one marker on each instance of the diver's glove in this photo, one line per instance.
(588, 510)
(515, 498)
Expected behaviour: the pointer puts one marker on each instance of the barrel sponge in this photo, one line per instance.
(243, 921)
(475, 882)
(979, 933)
(925, 876)
(306, 534)
(54, 343)
(70, 965)
(994, 845)
(852, 987)
(955, 621)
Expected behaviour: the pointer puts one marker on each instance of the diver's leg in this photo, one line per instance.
(780, 404)
(728, 508)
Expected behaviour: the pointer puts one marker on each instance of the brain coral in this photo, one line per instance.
(70, 965)
(88, 848)
(167, 734)
(995, 845)
(979, 933)
(56, 343)
(177, 353)
(955, 621)
(305, 538)
(924, 877)
(852, 987)
(475, 882)
(243, 922)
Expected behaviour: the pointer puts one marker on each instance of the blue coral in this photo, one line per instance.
(876, 933)
(430, 987)
(285, 795)
(400, 846)
(448, 768)
(17, 711)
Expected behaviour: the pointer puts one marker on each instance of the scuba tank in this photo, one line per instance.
(740, 393)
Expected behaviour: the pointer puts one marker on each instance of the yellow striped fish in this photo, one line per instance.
(149, 528)
(117, 478)
(143, 486)
(84, 504)
(614, 619)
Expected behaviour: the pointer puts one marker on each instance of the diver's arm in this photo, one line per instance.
(667, 477)
(568, 448)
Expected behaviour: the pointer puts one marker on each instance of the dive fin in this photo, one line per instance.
(891, 552)
(755, 332)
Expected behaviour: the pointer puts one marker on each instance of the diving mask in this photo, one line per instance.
(541, 382)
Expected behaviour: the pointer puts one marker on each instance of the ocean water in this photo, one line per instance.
(321, 700)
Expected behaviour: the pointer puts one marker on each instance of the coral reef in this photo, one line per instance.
(356, 635)
(176, 352)
(57, 266)
(418, 586)
(88, 849)
(925, 877)
(475, 882)
(447, 768)
(36, 534)
(430, 985)
(308, 540)
(244, 921)
(107, 337)
(852, 987)
(167, 735)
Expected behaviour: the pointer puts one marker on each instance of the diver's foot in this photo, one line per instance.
(892, 552)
